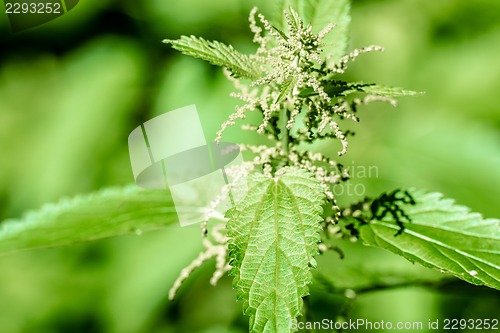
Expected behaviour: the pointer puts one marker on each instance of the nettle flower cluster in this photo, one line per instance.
(300, 97)
(269, 238)
(297, 87)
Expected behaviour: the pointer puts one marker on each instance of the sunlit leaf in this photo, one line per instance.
(273, 234)
(445, 236)
(319, 14)
(218, 54)
(106, 213)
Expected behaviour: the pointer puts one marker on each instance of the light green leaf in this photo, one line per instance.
(333, 11)
(219, 54)
(365, 268)
(375, 89)
(320, 13)
(98, 215)
(445, 236)
(336, 88)
(286, 88)
(273, 234)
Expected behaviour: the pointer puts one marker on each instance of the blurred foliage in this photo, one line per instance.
(71, 91)
(102, 214)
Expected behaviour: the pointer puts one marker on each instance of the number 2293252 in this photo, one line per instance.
(33, 8)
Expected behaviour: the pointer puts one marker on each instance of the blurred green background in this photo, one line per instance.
(71, 91)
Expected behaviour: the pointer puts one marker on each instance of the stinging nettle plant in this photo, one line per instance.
(290, 214)
(269, 239)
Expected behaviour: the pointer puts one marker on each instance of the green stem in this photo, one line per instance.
(284, 131)
(285, 138)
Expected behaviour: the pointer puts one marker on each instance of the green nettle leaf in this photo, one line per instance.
(336, 88)
(273, 234)
(376, 89)
(218, 54)
(286, 88)
(102, 214)
(319, 14)
(445, 236)
(337, 40)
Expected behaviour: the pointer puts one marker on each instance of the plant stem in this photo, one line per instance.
(284, 131)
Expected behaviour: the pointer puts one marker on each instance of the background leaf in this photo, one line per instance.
(338, 12)
(445, 236)
(273, 233)
(320, 13)
(109, 212)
